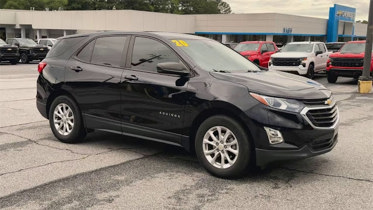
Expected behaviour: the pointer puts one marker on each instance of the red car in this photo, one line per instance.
(347, 62)
(258, 52)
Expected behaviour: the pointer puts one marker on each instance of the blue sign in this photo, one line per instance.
(336, 14)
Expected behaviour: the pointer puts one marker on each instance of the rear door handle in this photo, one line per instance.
(76, 68)
(131, 77)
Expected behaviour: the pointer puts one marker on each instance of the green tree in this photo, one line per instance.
(224, 7)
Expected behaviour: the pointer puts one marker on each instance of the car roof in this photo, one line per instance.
(255, 42)
(164, 35)
(305, 42)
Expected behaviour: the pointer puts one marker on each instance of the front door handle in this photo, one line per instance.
(131, 77)
(76, 68)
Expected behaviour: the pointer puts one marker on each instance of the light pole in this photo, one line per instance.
(365, 81)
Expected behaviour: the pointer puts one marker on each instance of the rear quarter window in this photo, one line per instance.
(64, 48)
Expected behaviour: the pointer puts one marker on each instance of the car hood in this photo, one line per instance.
(347, 55)
(277, 84)
(290, 55)
(8, 46)
(34, 46)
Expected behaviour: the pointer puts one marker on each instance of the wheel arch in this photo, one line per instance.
(57, 93)
(220, 108)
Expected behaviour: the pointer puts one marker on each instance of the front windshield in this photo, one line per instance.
(246, 47)
(213, 56)
(2, 42)
(297, 48)
(27, 42)
(355, 48)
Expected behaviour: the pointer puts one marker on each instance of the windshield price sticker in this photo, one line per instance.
(180, 43)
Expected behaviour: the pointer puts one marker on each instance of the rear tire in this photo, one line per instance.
(222, 146)
(332, 78)
(66, 121)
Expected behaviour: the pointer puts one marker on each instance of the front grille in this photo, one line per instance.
(350, 62)
(323, 117)
(286, 61)
(322, 144)
(314, 102)
(8, 50)
(40, 50)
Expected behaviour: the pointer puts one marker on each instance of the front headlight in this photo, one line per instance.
(279, 103)
(303, 59)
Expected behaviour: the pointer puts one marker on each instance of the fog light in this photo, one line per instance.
(274, 136)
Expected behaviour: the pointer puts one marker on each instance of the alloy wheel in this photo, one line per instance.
(220, 147)
(63, 119)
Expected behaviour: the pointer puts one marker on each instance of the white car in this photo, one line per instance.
(304, 58)
(47, 42)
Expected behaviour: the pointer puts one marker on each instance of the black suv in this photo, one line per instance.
(28, 49)
(8, 53)
(186, 91)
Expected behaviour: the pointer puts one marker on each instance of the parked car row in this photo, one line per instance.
(24, 50)
(308, 58)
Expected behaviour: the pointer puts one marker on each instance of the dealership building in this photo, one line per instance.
(280, 28)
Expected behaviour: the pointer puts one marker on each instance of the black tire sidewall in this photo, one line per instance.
(311, 71)
(240, 167)
(78, 131)
(26, 60)
(332, 78)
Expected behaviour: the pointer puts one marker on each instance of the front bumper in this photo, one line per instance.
(304, 134)
(355, 73)
(9, 57)
(301, 70)
(264, 157)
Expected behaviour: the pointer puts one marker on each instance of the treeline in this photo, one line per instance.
(165, 6)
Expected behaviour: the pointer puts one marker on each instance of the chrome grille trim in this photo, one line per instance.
(332, 106)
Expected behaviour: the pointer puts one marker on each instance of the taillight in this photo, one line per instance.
(41, 66)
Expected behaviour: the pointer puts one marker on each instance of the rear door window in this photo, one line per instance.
(108, 51)
(63, 48)
(86, 53)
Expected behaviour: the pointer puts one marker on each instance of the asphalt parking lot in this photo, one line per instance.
(109, 171)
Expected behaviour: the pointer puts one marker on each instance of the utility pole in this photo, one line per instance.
(365, 81)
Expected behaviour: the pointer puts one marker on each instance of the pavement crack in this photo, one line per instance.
(64, 161)
(7, 126)
(328, 175)
(44, 145)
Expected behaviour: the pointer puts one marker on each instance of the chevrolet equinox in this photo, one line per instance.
(186, 91)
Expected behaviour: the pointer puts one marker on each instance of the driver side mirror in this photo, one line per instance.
(16, 44)
(263, 51)
(172, 68)
(318, 53)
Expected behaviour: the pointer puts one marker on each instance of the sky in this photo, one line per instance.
(312, 8)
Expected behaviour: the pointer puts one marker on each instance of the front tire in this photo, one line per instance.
(65, 120)
(24, 58)
(311, 71)
(222, 147)
(332, 78)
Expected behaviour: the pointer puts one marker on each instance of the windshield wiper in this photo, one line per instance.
(221, 71)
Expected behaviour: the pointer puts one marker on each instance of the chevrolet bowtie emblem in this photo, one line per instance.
(328, 102)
